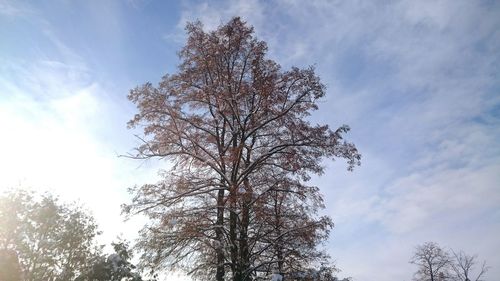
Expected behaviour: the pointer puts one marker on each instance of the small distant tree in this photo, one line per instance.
(436, 264)
(433, 262)
(463, 266)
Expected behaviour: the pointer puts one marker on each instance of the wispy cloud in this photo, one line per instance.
(47, 117)
(214, 14)
(13, 8)
(56, 118)
(418, 82)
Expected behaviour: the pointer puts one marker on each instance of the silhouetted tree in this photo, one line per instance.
(432, 261)
(463, 266)
(438, 264)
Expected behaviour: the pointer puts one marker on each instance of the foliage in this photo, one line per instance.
(234, 127)
(10, 269)
(53, 241)
(114, 267)
(324, 273)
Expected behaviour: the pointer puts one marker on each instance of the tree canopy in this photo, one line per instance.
(234, 127)
(53, 241)
(42, 238)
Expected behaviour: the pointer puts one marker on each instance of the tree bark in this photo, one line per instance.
(245, 221)
(219, 236)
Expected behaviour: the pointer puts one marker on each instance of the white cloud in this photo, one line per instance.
(48, 140)
(60, 134)
(416, 82)
(214, 14)
(13, 9)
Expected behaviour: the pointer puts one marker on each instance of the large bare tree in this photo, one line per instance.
(233, 125)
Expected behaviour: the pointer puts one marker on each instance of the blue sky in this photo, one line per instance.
(417, 81)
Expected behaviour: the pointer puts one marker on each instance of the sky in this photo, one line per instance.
(417, 81)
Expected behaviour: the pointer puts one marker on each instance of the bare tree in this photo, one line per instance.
(432, 261)
(463, 266)
(287, 231)
(227, 118)
(437, 264)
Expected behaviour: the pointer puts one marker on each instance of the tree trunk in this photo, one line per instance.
(245, 221)
(219, 236)
(233, 220)
(279, 244)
